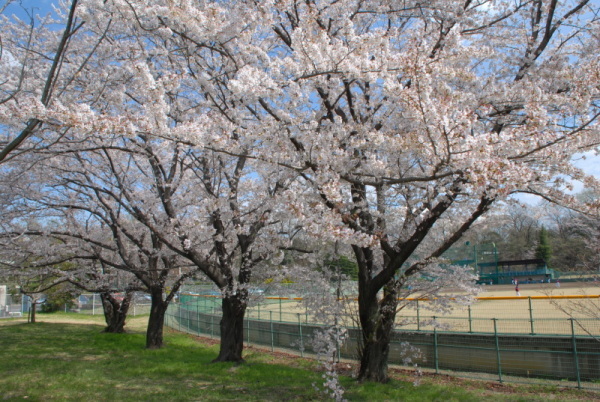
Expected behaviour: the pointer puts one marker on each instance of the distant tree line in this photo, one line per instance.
(567, 240)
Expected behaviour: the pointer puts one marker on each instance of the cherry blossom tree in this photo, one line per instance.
(169, 207)
(149, 88)
(425, 116)
(111, 188)
(40, 259)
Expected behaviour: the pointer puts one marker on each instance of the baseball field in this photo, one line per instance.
(540, 309)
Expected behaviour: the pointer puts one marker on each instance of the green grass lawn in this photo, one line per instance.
(76, 361)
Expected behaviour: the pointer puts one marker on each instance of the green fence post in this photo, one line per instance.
(418, 317)
(531, 316)
(248, 330)
(197, 318)
(272, 335)
(301, 340)
(258, 307)
(470, 319)
(497, 351)
(179, 310)
(187, 314)
(212, 325)
(435, 348)
(280, 309)
(575, 355)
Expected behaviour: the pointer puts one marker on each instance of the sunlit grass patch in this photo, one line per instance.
(55, 361)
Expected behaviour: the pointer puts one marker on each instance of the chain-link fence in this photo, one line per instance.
(89, 303)
(557, 350)
(92, 304)
(534, 315)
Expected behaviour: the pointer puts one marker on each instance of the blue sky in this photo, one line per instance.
(41, 7)
(591, 164)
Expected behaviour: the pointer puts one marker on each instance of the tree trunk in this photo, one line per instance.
(154, 333)
(115, 312)
(32, 310)
(377, 324)
(232, 328)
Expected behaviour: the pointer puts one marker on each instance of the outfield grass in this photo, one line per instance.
(76, 361)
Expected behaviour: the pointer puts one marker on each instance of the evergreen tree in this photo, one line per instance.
(543, 249)
(345, 265)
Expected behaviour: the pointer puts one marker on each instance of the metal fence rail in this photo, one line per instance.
(556, 351)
